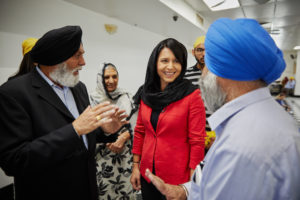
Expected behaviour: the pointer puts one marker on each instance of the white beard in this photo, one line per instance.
(64, 76)
(213, 95)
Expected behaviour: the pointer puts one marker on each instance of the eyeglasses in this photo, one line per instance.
(199, 50)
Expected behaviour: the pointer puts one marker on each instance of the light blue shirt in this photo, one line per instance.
(290, 84)
(256, 154)
(65, 94)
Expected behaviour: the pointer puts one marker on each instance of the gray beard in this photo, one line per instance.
(63, 76)
(213, 95)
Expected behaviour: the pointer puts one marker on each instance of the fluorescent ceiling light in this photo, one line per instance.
(216, 5)
(297, 48)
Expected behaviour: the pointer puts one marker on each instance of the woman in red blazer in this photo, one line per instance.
(170, 129)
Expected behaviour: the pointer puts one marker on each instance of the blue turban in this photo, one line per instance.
(242, 50)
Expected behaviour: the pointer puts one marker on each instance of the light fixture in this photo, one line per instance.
(216, 5)
(110, 28)
(297, 48)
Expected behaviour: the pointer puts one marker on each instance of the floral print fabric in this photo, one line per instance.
(113, 173)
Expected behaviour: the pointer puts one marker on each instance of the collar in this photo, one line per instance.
(232, 107)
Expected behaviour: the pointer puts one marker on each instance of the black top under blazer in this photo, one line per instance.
(39, 146)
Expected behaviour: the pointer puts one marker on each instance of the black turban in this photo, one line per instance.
(57, 45)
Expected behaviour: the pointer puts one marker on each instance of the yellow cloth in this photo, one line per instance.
(292, 78)
(28, 44)
(209, 135)
(199, 40)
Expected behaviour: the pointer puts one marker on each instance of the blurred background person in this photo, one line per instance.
(114, 160)
(281, 100)
(290, 86)
(284, 81)
(193, 74)
(27, 63)
(170, 129)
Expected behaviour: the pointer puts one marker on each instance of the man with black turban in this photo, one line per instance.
(48, 130)
(256, 154)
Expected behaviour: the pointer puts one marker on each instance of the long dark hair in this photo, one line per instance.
(152, 80)
(26, 66)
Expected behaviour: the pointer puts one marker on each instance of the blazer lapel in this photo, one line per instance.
(45, 91)
(81, 104)
(148, 111)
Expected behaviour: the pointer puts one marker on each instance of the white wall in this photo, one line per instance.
(129, 48)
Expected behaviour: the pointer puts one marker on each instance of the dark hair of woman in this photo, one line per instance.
(26, 66)
(151, 93)
(152, 82)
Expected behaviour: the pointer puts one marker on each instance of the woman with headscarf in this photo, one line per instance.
(114, 160)
(170, 128)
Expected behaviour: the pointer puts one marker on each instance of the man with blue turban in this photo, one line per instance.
(256, 154)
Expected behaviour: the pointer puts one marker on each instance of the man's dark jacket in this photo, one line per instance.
(38, 144)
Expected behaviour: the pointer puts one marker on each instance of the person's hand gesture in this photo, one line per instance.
(135, 178)
(172, 192)
(117, 146)
(92, 118)
(118, 119)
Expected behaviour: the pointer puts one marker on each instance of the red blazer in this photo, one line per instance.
(178, 143)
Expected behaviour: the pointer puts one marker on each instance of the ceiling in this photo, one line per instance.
(281, 18)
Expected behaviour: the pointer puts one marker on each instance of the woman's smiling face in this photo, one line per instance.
(111, 79)
(168, 67)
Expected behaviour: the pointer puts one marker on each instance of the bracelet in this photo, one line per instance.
(136, 162)
(185, 190)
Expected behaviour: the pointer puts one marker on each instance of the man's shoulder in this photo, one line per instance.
(80, 86)
(18, 83)
(193, 73)
(262, 125)
(192, 68)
